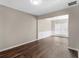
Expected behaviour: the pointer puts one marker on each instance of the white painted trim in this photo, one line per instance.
(16, 45)
(60, 36)
(75, 50)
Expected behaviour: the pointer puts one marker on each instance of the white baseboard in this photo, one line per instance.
(75, 50)
(16, 45)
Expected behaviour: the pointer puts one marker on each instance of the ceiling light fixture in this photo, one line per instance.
(36, 2)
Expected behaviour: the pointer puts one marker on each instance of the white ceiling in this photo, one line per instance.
(45, 7)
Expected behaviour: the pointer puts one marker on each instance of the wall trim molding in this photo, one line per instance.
(74, 50)
(16, 45)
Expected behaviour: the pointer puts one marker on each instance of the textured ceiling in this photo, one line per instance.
(45, 7)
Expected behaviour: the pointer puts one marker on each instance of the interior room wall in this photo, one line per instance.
(44, 28)
(53, 27)
(16, 28)
(73, 24)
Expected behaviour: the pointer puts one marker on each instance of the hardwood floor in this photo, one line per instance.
(51, 47)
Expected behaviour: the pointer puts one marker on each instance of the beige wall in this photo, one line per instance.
(44, 25)
(44, 28)
(73, 24)
(15, 28)
(52, 27)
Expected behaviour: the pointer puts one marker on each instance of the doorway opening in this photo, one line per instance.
(61, 26)
(54, 26)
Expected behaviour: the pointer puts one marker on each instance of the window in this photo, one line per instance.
(61, 29)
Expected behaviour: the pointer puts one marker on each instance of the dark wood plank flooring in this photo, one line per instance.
(51, 47)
